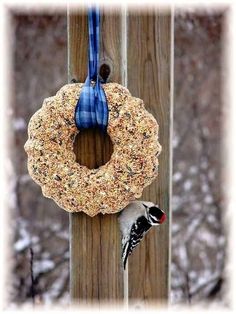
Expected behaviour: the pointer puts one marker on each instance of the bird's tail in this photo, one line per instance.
(125, 254)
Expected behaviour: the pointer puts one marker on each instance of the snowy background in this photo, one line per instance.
(40, 229)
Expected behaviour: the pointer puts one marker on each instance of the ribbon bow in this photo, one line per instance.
(92, 109)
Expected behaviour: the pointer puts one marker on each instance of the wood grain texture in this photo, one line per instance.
(149, 61)
(95, 265)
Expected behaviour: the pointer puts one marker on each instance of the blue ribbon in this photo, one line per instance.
(92, 109)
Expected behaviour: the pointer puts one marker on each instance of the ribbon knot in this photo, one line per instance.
(92, 109)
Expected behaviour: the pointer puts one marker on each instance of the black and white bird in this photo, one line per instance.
(135, 220)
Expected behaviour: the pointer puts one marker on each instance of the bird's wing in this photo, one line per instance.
(138, 229)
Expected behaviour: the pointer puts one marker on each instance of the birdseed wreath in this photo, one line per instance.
(74, 187)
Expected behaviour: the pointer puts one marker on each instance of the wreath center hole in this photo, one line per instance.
(92, 148)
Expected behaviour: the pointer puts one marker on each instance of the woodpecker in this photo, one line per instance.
(135, 221)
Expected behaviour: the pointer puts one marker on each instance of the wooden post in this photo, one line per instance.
(95, 265)
(149, 78)
(95, 247)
